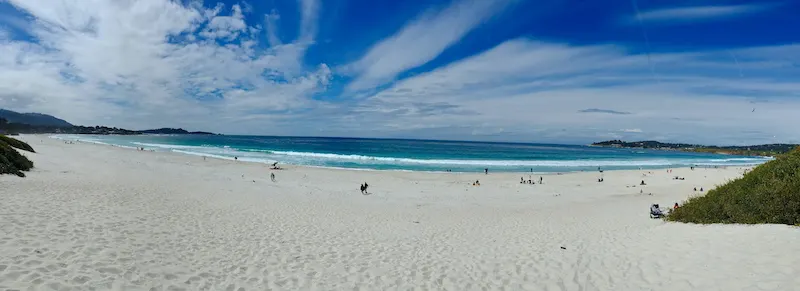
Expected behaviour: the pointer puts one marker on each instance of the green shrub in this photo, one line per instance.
(15, 143)
(770, 193)
(12, 162)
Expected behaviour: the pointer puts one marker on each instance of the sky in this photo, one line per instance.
(555, 71)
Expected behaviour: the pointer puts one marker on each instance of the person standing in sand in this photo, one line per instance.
(486, 171)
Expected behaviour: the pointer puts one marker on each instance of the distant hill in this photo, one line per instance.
(33, 119)
(7, 127)
(753, 150)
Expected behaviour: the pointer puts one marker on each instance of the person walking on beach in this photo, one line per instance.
(366, 188)
(486, 171)
(272, 177)
(540, 180)
(362, 189)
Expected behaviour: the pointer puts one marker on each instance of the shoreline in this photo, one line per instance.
(214, 156)
(94, 216)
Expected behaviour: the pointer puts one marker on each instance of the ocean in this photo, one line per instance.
(417, 155)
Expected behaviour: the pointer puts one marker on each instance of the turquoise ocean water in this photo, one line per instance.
(417, 155)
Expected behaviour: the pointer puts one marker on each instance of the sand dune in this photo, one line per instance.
(93, 217)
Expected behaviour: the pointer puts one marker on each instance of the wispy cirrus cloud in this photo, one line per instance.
(697, 13)
(606, 111)
(631, 130)
(420, 41)
(542, 91)
(309, 11)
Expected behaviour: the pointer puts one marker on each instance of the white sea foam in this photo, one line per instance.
(167, 146)
(518, 163)
(88, 140)
(311, 158)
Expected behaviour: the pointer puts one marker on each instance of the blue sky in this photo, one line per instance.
(722, 72)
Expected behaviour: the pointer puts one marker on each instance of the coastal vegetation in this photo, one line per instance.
(11, 161)
(754, 150)
(770, 193)
(15, 143)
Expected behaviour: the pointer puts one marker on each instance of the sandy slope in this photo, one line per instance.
(99, 217)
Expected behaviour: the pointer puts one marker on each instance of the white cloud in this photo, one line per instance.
(534, 91)
(698, 13)
(226, 27)
(136, 64)
(420, 41)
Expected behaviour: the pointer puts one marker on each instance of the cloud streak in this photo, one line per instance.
(420, 41)
(309, 10)
(606, 111)
(695, 13)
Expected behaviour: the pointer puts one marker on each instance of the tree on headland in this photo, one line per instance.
(770, 193)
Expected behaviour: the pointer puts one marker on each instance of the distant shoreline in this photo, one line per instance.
(765, 150)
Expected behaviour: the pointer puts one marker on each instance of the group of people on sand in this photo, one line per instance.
(655, 210)
(529, 181)
(364, 188)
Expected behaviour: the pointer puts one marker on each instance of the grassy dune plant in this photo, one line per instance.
(11, 161)
(770, 193)
(15, 143)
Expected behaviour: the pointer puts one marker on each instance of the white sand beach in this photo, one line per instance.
(95, 217)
